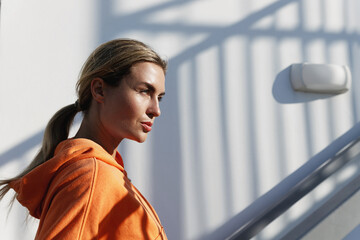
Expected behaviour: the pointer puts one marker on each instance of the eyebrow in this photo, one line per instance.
(152, 88)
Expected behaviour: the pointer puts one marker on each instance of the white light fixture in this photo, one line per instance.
(320, 78)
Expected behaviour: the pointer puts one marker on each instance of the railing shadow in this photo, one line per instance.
(166, 156)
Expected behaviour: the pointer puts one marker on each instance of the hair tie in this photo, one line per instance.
(77, 105)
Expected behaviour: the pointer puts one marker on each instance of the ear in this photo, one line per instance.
(97, 89)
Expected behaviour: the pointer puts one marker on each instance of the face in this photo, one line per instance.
(129, 110)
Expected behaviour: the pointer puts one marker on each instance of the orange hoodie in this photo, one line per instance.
(84, 193)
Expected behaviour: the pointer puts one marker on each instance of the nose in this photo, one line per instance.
(154, 108)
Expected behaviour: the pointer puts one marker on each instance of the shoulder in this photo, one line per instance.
(90, 172)
(86, 179)
(74, 176)
(87, 166)
(77, 168)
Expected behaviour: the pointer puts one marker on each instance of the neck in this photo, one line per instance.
(91, 130)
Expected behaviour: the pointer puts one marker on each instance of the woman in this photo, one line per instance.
(78, 187)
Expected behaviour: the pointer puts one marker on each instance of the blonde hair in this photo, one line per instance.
(111, 61)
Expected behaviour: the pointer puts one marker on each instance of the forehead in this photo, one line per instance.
(148, 73)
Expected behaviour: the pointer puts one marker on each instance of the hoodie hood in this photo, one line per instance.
(32, 188)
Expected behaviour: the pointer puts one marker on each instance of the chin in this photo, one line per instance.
(139, 139)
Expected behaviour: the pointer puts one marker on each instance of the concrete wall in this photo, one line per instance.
(231, 128)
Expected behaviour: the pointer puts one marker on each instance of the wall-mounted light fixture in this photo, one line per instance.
(320, 78)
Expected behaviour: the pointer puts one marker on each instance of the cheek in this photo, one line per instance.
(130, 107)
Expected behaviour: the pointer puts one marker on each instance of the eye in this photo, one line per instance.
(145, 91)
(160, 97)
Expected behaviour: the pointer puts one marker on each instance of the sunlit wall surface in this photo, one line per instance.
(231, 127)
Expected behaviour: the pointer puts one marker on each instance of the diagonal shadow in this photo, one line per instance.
(218, 34)
(21, 148)
(167, 191)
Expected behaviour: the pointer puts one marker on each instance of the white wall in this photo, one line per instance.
(231, 127)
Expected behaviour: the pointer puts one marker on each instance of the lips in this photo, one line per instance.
(146, 126)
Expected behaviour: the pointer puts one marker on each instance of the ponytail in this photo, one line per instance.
(56, 131)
